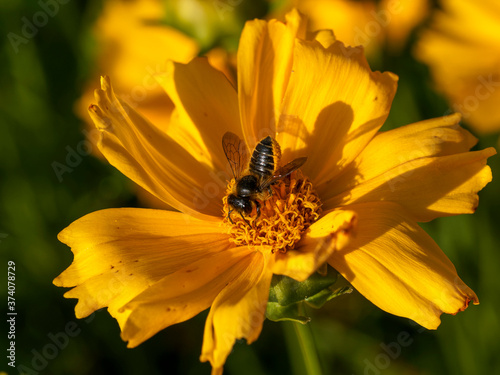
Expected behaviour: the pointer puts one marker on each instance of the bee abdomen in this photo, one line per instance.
(265, 157)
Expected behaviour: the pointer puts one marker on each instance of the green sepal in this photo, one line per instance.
(287, 296)
(318, 300)
(276, 312)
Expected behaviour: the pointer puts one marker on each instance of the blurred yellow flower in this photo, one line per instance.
(355, 203)
(132, 46)
(367, 23)
(462, 48)
(402, 17)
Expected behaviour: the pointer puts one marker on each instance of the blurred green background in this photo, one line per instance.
(40, 81)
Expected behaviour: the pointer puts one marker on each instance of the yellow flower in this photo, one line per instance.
(367, 22)
(133, 46)
(355, 203)
(462, 48)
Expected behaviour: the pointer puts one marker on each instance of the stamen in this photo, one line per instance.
(285, 215)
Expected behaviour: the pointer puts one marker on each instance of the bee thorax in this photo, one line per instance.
(247, 186)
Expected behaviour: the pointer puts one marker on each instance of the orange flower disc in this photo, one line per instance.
(285, 215)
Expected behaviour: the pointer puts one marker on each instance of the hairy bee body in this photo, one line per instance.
(265, 158)
(262, 172)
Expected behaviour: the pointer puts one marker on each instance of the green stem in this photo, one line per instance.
(303, 356)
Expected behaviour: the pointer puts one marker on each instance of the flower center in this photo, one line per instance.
(284, 215)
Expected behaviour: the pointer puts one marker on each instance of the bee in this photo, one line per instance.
(255, 177)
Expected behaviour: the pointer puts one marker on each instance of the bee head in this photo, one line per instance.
(240, 204)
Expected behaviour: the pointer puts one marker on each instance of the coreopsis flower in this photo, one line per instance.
(368, 23)
(462, 48)
(353, 204)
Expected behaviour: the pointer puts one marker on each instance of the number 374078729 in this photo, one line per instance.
(11, 284)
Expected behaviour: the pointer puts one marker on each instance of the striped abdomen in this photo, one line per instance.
(265, 157)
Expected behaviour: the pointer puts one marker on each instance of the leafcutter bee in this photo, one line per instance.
(255, 177)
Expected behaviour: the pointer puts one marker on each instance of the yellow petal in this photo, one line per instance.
(330, 233)
(340, 116)
(427, 187)
(180, 295)
(148, 156)
(398, 267)
(325, 37)
(119, 253)
(239, 310)
(264, 65)
(206, 107)
(387, 150)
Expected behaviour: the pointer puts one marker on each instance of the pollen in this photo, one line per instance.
(285, 215)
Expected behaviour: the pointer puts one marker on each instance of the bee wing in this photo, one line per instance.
(283, 172)
(236, 153)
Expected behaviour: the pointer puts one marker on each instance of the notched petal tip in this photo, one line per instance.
(357, 53)
(468, 297)
(107, 105)
(297, 21)
(324, 37)
(57, 281)
(101, 121)
(468, 300)
(452, 119)
(105, 83)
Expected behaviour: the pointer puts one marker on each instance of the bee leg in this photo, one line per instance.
(229, 216)
(244, 220)
(257, 206)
